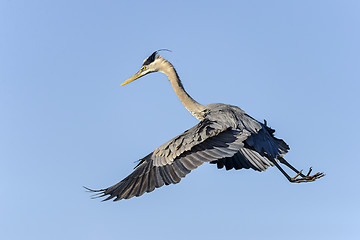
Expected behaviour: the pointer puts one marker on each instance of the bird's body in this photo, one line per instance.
(225, 136)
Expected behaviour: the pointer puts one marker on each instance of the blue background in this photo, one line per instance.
(65, 122)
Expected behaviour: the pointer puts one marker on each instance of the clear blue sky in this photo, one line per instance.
(65, 122)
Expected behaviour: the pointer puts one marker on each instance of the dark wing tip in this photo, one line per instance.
(92, 190)
(98, 192)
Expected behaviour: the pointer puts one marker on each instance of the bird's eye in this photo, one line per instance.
(143, 68)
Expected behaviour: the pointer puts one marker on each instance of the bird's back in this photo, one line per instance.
(261, 138)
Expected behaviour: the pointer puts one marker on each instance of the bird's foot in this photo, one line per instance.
(306, 178)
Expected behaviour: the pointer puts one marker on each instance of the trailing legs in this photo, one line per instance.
(300, 177)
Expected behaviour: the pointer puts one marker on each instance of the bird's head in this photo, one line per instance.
(150, 64)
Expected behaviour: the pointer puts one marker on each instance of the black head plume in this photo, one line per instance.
(152, 56)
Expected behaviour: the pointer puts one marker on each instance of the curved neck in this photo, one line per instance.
(195, 108)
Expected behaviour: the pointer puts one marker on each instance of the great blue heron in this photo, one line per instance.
(225, 136)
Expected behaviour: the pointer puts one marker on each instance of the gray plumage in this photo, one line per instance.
(225, 136)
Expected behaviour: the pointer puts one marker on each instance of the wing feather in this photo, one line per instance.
(229, 164)
(174, 177)
(242, 160)
(187, 163)
(143, 185)
(220, 163)
(179, 166)
(151, 181)
(178, 171)
(159, 182)
(133, 189)
(164, 175)
(237, 163)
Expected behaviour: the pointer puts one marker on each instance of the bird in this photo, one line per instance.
(225, 136)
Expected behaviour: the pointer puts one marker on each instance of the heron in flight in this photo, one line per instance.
(225, 136)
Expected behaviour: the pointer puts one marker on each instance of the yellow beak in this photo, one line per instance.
(134, 77)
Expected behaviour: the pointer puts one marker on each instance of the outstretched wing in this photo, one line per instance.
(207, 141)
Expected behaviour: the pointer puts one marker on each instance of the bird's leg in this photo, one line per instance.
(283, 161)
(281, 170)
(296, 179)
(299, 173)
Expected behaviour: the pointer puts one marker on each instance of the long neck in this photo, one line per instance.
(195, 108)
